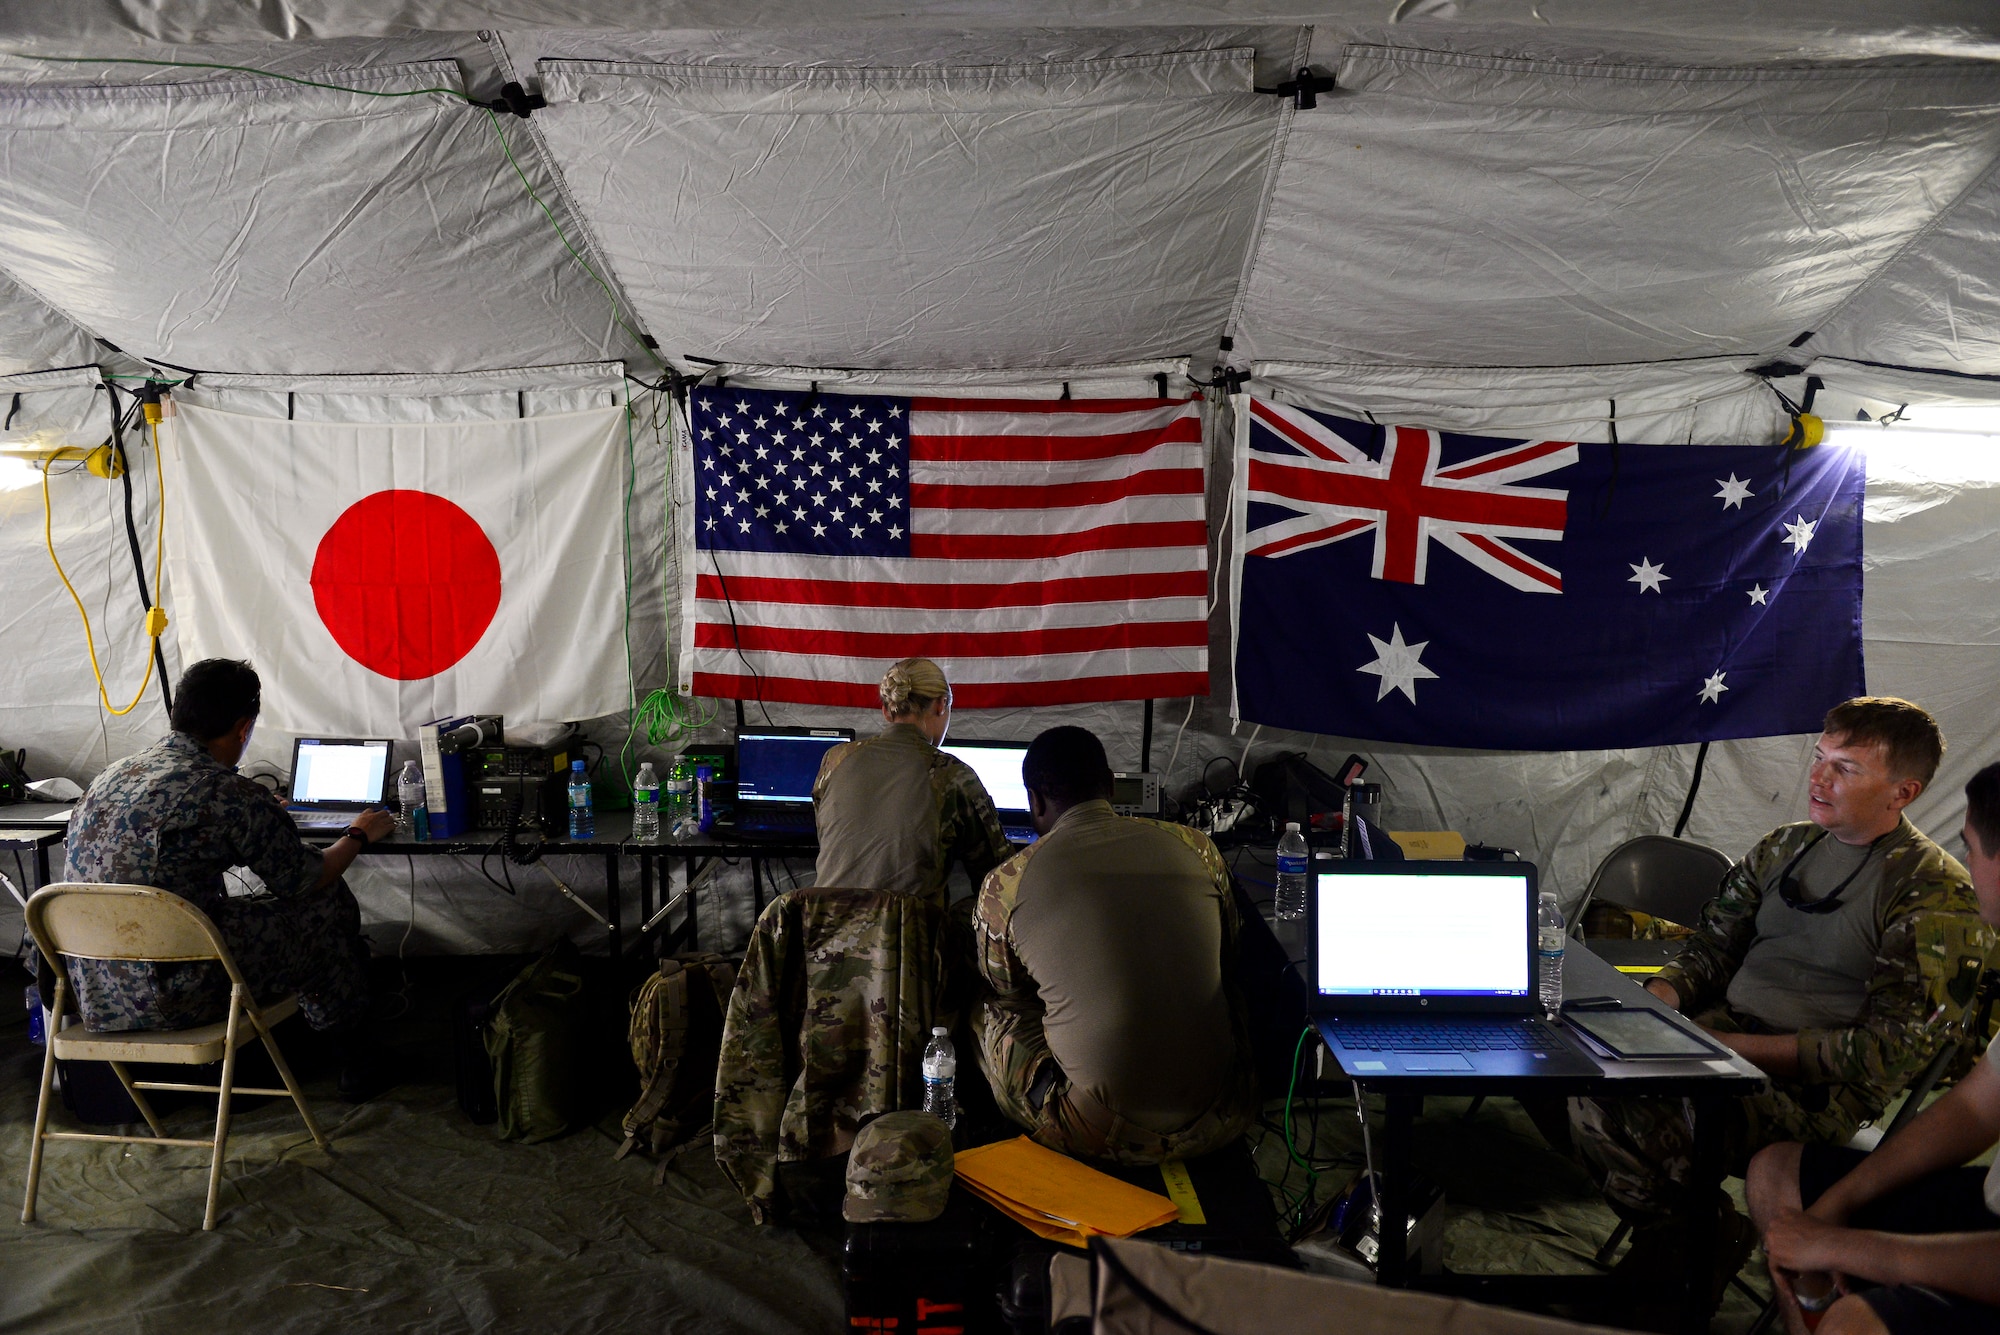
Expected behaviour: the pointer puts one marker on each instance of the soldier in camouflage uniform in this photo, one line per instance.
(1817, 961)
(1111, 1030)
(833, 1006)
(893, 811)
(176, 817)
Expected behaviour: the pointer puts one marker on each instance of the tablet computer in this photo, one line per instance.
(1638, 1034)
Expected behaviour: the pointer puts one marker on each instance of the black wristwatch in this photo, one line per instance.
(356, 832)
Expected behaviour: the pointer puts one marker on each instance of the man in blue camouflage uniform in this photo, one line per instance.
(177, 816)
(1815, 961)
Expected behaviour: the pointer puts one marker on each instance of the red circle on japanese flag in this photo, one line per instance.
(406, 583)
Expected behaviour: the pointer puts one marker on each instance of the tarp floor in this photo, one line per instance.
(421, 1220)
(1513, 1205)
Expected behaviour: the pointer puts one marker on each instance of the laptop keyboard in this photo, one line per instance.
(1450, 1036)
(324, 820)
(775, 822)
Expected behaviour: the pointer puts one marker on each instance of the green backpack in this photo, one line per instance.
(536, 1038)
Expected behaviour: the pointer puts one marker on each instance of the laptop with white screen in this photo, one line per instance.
(335, 777)
(998, 765)
(1429, 967)
(775, 771)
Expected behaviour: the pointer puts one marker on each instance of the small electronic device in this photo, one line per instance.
(1637, 1033)
(333, 778)
(536, 801)
(998, 765)
(1422, 967)
(1135, 794)
(775, 771)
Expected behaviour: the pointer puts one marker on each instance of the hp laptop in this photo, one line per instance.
(1429, 967)
(775, 769)
(998, 765)
(335, 777)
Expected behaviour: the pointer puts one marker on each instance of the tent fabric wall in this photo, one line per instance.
(1552, 211)
(1480, 210)
(250, 216)
(914, 218)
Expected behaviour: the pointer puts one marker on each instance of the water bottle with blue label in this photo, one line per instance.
(1551, 933)
(582, 810)
(1294, 873)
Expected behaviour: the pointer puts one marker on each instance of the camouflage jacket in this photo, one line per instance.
(857, 852)
(1900, 1026)
(175, 818)
(832, 1008)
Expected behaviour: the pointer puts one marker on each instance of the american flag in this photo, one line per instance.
(1042, 551)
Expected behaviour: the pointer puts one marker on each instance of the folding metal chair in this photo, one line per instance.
(138, 923)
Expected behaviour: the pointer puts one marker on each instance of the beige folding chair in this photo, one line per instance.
(134, 922)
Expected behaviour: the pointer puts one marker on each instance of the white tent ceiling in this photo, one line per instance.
(1493, 184)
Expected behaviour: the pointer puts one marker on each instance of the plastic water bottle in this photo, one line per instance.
(1294, 872)
(409, 796)
(704, 798)
(1551, 932)
(941, 1077)
(646, 805)
(582, 812)
(680, 799)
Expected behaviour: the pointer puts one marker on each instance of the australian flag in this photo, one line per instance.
(1409, 585)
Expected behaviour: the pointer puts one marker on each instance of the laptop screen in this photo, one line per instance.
(779, 764)
(339, 771)
(998, 765)
(1459, 930)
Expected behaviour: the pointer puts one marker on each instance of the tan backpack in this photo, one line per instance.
(676, 1035)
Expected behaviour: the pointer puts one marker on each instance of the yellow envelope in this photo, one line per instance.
(1056, 1197)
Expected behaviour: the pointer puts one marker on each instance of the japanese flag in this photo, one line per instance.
(380, 576)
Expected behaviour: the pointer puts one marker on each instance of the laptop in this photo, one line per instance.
(335, 777)
(1429, 968)
(775, 770)
(998, 765)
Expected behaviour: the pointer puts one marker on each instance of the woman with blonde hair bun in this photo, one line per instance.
(894, 812)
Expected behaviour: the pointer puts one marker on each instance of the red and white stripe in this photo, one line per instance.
(1059, 555)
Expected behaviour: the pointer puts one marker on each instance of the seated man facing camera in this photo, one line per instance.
(1110, 1030)
(1914, 1237)
(1810, 963)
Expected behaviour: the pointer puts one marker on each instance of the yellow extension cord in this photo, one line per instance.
(156, 616)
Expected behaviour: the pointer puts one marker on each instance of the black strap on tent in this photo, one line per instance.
(1694, 786)
(1611, 485)
(291, 404)
(150, 394)
(1146, 739)
(1160, 379)
(1065, 392)
(1303, 88)
(9, 426)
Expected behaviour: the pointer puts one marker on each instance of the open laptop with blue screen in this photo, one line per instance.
(1429, 967)
(333, 778)
(998, 765)
(775, 770)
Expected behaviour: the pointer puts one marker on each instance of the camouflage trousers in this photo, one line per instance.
(309, 943)
(1014, 1053)
(1640, 1151)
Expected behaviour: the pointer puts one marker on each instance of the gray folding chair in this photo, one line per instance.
(138, 923)
(1658, 875)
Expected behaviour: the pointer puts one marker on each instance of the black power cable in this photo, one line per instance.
(132, 528)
